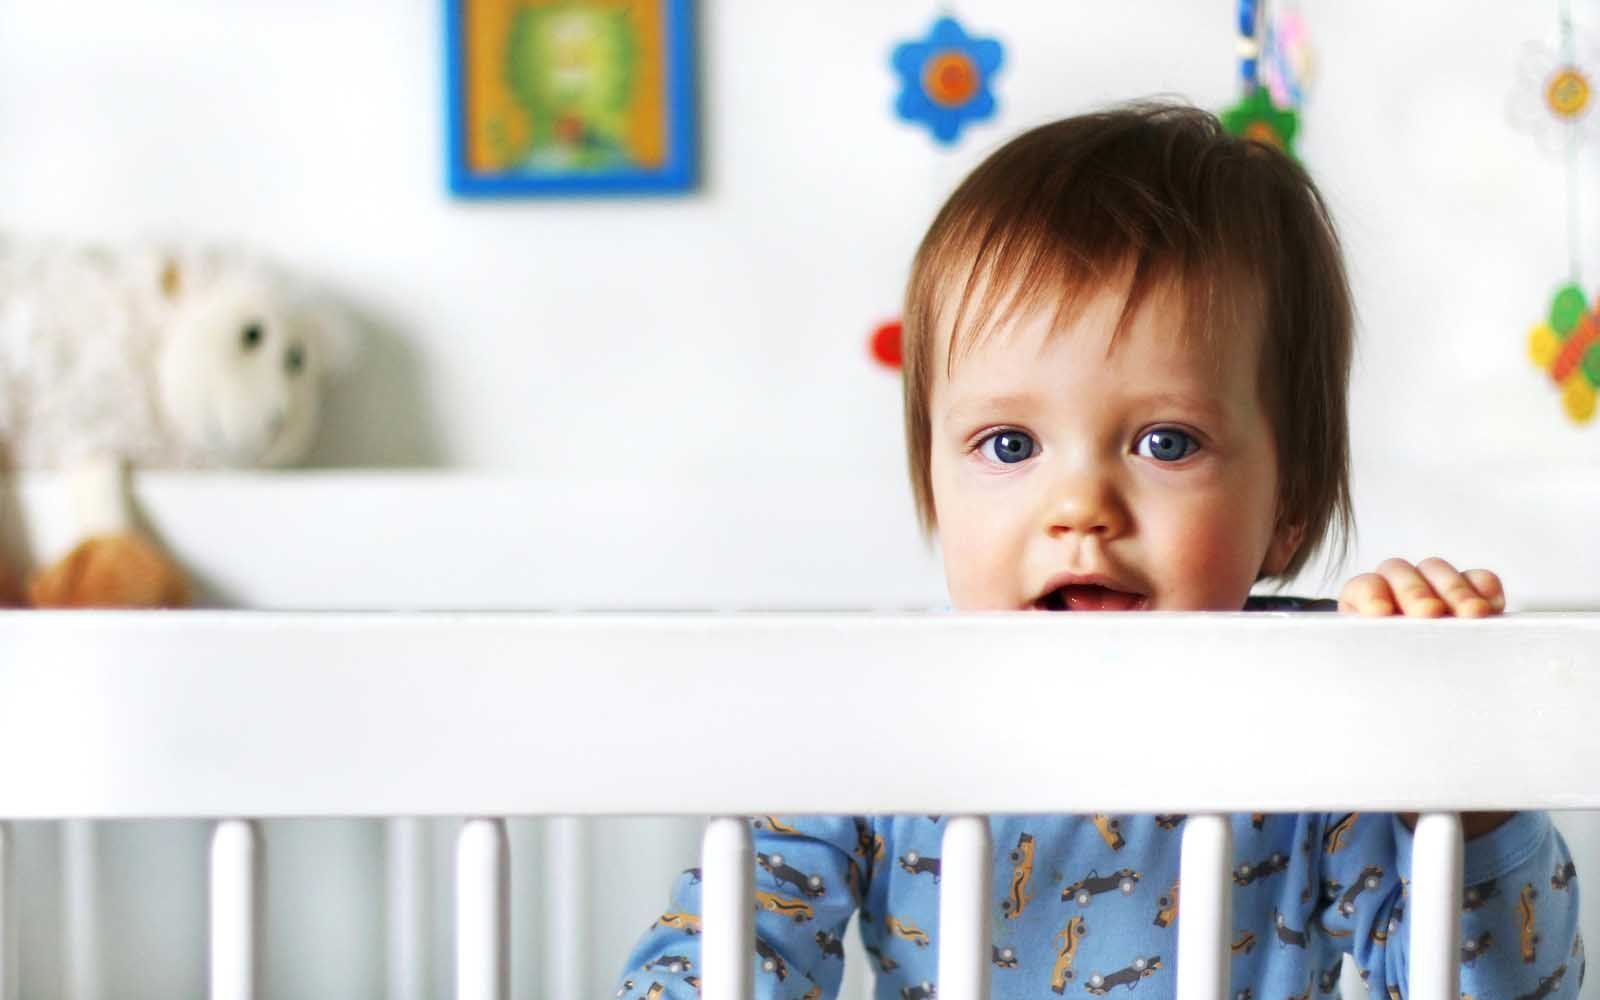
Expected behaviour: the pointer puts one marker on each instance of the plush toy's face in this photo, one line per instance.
(241, 374)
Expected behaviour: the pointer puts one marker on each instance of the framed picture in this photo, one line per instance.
(570, 97)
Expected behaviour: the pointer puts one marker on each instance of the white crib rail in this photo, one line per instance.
(219, 715)
(235, 909)
(1204, 873)
(964, 939)
(483, 873)
(728, 902)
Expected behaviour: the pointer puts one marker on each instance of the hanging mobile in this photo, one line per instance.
(1554, 99)
(1274, 64)
(946, 79)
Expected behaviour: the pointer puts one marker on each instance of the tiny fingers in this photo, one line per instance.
(1431, 589)
(1367, 594)
(1416, 596)
(1458, 593)
(1488, 585)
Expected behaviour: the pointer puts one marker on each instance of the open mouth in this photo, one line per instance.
(1089, 597)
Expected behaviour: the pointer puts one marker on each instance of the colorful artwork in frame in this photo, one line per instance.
(570, 97)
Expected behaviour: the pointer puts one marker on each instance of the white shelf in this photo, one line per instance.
(443, 540)
(464, 541)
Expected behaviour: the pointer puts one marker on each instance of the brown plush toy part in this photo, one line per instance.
(110, 571)
(10, 590)
(115, 566)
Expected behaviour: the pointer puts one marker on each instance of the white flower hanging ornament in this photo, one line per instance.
(1554, 97)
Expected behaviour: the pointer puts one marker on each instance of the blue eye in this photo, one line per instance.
(1166, 444)
(1010, 447)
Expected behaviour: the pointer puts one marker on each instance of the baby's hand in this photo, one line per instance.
(1430, 589)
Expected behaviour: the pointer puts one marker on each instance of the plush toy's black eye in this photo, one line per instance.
(294, 359)
(251, 337)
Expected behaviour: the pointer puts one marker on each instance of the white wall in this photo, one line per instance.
(722, 334)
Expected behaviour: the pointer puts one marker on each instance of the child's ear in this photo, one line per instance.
(1286, 539)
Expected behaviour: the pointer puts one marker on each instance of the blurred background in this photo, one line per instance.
(682, 335)
(691, 372)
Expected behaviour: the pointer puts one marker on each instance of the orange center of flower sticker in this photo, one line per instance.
(950, 79)
(1567, 92)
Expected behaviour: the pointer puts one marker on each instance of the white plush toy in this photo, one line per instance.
(159, 360)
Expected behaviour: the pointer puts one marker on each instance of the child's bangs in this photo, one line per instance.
(1034, 271)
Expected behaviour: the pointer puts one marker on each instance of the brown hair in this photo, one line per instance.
(1145, 194)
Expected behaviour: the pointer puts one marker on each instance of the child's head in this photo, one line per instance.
(1127, 342)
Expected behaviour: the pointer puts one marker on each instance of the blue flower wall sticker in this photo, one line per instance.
(944, 79)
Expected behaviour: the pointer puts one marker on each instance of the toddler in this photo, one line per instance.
(1127, 341)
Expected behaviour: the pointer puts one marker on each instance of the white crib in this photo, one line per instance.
(234, 717)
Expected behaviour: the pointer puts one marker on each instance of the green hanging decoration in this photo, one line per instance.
(1274, 64)
(1256, 117)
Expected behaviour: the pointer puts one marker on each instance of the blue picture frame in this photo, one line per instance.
(678, 171)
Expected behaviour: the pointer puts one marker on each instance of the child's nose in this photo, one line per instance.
(1089, 505)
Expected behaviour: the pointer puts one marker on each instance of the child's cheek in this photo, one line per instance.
(979, 564)
(973, 536)
(973, 574)
(1209, 566)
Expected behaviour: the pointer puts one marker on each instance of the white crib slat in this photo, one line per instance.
(727, 910)
(407, 910)
(566, 875)
(235, 877)
(1205, 912)
(483, 911)
(965, 874)
(1435, 904)
(80, 910)
(9, 973)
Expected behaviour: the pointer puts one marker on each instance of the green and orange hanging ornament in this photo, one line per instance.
(1567, 346)
(1274, 70)
(1554, 100)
